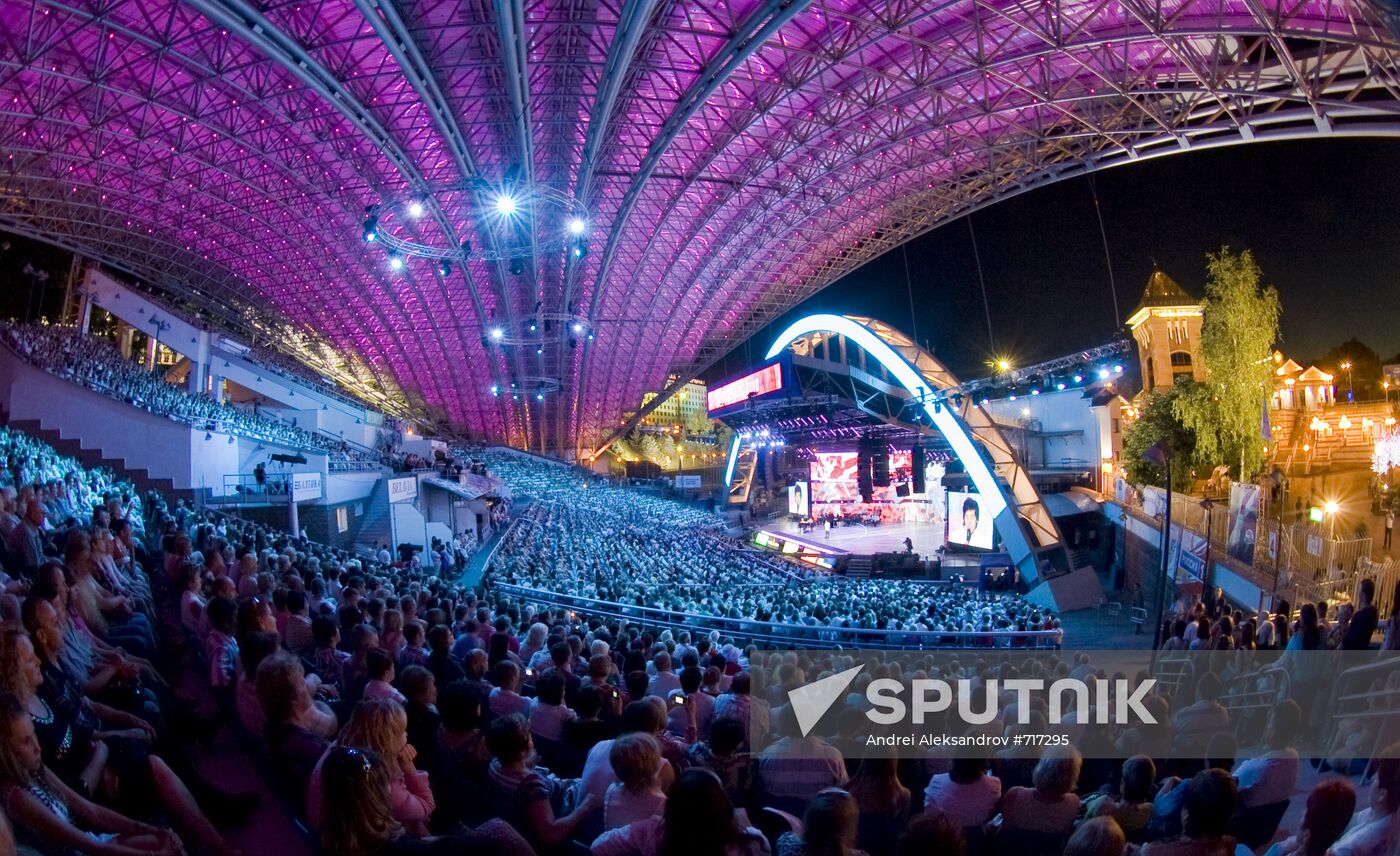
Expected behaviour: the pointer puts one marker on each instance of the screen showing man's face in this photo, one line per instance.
(970, 519)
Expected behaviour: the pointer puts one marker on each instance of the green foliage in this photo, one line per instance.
(1157, 420)
(1237, 336)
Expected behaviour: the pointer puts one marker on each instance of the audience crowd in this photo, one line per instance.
(394, 711)
(587, 539)
(95, 363)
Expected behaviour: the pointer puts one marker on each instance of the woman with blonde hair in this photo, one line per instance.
(380, 726)
(1050, 806)
(359, 784)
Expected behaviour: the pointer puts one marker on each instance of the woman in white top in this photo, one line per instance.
(698, 820)
(636, 795)
(966, 793)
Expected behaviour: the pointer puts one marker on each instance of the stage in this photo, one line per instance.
(867, 541)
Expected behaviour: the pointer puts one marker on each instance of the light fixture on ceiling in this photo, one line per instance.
(577, 226)
(415, 208)
(506, 205)
(395, 261)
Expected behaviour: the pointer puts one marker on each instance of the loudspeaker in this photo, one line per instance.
(867, 491)
(916, 458)
(863, 463)
(901, 490)
(880, 466)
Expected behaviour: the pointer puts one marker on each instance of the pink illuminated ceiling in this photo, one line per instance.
(733, 157)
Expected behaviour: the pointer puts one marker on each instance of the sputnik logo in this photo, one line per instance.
(811, 702)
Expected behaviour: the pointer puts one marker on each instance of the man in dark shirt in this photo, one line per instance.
(1363, 623)
(26, 542)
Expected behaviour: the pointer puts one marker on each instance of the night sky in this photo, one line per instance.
(1322, 217)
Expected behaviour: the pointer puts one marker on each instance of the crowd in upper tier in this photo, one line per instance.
(586, 538)
(97, 364)
(400, 713)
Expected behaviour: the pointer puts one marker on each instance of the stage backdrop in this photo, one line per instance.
(834, 487)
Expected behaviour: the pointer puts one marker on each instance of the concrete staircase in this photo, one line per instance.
(859, 567)
(375, 528)
(1348, 448)
(94, 458)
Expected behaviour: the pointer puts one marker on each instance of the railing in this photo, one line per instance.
(775, 635)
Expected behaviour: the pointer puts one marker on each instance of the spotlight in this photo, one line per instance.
(415, 208)
(466, 249)
(505, 205)
(1012, 396)
(576, 225)
(1103, 374)
(497, 333)
(495, 389)
(578, 328)
(515, 397)
(1079, 378)
(1060, 386)
(1035, 392)
(1118, 369)
(532, 326)
(396, 262)
(445, 268)
(590, 337)
(539, 396)
(540, 350)
(517, 267)
(371, 231)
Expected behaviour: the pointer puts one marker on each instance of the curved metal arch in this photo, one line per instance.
(923, 377)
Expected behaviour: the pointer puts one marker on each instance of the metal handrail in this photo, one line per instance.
(789, 635)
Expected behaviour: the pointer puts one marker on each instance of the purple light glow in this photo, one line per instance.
(190, 153)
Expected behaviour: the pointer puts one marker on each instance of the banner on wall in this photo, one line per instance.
(306, 486)
(1191, 558)
(1154, 501)
(688, 482)
(402, 490)
(1244, 522)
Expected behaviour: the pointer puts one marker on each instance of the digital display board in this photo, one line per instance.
(765, 381)
(817, 557)
(968, 523)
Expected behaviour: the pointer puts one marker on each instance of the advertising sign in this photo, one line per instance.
(766, 380)
(688, 482)
(306, 486)
(403, 490)
(1244, 521)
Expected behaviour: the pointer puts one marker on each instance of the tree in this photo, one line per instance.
(1365, 372)
(1157, 420)
(1239, 328)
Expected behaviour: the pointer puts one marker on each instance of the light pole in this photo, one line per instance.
(1346, 367)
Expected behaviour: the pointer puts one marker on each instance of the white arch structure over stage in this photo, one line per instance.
(964, 425)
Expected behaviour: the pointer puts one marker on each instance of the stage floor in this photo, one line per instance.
(863, 541)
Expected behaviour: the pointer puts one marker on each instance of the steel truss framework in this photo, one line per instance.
(734, 157)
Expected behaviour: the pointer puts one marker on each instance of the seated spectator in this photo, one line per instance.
(1049, 808)
(1210, 802)
(445, 667)
(794, 769)
(1273, 776)
(638, 717)
(547, 712)
(884, 804)
(1329, 810)
(739, 704)
(967, 793)
(722, 755)
(328, 660)
(421, 697)
(504, 700)
(379, 669)
(1195, 723)
(291, 737)
(699, 820)
(585, 731)
(1099, 836)
(677, 718)
(1375, 831)
(532, 799)
(663, 681)
(1131, 809)
(1171, 796)
(221, 649)
(636, 795)
(380, 726)
(413, 652)
(298, 636)
(362, 784)
(931, 832)
(48, 814)
(829, 828)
